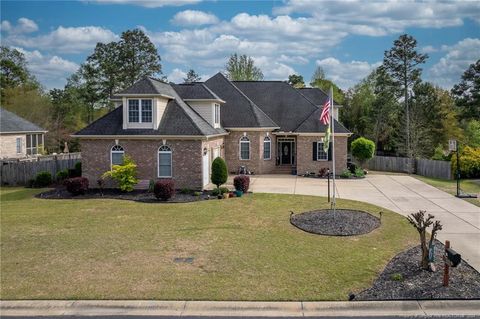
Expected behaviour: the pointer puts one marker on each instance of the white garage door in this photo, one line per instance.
(206, 168)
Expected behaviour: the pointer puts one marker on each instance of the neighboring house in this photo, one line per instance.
(19, 137)
(176, 130)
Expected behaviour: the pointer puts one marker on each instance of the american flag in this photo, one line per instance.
(325, 116)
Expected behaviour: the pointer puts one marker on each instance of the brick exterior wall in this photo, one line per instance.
(8, 146)
(305, 160)
(186, 159)
(256, 163)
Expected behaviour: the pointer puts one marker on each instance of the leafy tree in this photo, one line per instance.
(219, 172)
(242, 68)
(324, 85)
(319, 74)
(14, 71)
(138, 57)
(192, 76)
(401, 63)
(363, 149)
(467, 93)
(472, 133)
(125, 175)
(296, 81)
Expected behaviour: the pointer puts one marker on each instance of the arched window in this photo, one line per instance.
(164, 161)
(116, 155)
(244, 148)
(267, 148)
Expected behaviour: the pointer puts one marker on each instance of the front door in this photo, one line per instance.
(286, 149)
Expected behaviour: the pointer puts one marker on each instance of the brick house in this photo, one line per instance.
(19, 138)
(176, 130)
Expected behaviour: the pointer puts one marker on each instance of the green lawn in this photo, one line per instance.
(243, 249)
(450, 186)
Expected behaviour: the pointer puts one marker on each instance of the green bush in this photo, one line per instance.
(43, 179)
(363, 149)
(359, 172)
(125, 175)
(439, 154)
(62, 175)
(151, 186)
(224, 190)
(469, 162)
(215, 192)
(197, 194)
(346, 174)
(396, 277)
(219, 172)
(185, 191)
(78, 169)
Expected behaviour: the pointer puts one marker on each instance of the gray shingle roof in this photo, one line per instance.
(316, 95)
(239, 110)
(147, 85)
(10, 122)
(178, 119)
(193, 91)
(312, 124)
(280, 101)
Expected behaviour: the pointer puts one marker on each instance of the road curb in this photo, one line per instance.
(236, 308)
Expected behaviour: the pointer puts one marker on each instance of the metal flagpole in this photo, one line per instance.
(333, 147)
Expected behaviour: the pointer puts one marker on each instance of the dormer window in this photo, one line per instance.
(140, 111)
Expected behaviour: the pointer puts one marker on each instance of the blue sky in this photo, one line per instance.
(347, 39)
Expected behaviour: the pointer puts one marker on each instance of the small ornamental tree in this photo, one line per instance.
(164, 189)
(125, 174)
(363, 149)
(219, 172)
(241, 183)
(421, 224)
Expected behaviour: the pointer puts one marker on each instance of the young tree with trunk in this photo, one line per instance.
(467, 93)
(318, 74)
(242, 68)
(192, 76)
(421, 223)
(402, 62)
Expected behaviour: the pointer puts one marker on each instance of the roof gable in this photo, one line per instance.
(195, 91)
(10, 122)
(316, 96)
(146, 86)
(239, 110)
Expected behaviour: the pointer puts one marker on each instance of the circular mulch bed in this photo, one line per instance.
(403, 279)
(344, 222)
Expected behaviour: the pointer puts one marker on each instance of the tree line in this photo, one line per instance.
(393, 106)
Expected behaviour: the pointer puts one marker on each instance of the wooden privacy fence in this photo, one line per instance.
(420, 166)
(18, 172)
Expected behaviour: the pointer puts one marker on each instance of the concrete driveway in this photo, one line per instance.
(401, 194)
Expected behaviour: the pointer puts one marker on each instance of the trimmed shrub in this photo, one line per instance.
(219, 172)
(346, 174)
(359, 172)
(125, 175)
(62, 175)
(151, 185)
(185, 191)
(241, 183)
(76, 185)
(215, 192)
(351, 167)
(323, 172)
(469, 162)
(363, 149)
(43, 179)
(164, 189)
(224, 190)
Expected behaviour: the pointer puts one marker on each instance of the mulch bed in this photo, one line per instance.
(344, 222)
(422, 284)
(136, 195)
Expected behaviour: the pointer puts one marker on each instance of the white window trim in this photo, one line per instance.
(140, 109)
(216, 114)
(116, 152)
(318, 148)
(158, 161)
(18, 146)
(268, 140)
(240, 148)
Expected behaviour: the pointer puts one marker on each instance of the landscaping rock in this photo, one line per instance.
(416, 283)
(344, 222)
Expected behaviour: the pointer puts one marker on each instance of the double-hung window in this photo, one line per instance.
(217, 114)
(164, 161)
(140, 111)
(19, 145)
(244, 148)
(321, 154)
(267, 148)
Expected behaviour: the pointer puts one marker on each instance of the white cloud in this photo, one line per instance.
(428, 49)
(24, 25)
(65, 39)
(346, 74)
(51, 71)
(176, 76)
(449, 69)
(376, 18)
(194, 18)
(150, 3)
(273, 70)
